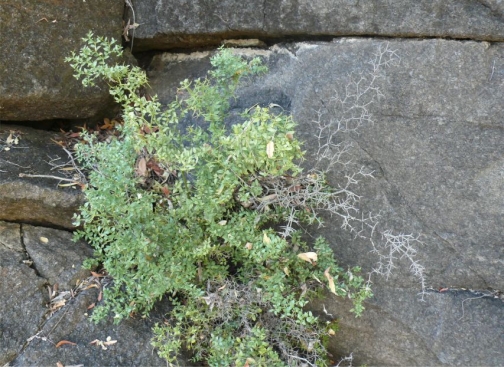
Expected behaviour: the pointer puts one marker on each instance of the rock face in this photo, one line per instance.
(30, 332)
(34, 200)
(21, 294)
(436, 149)
(35, 82)
(181, 23)
(132, 347)
(57, 259)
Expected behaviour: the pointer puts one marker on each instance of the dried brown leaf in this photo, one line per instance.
(268, 198)
(310, 257)
(60, 303)
(330, 279)
(141, 167)
(63, 342)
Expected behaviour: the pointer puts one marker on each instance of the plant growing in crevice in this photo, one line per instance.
(206, 215)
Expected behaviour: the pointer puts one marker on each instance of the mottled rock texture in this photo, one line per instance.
(29, 331)
(21, 294)
(71, 323)
(57, 257)
(37, 201)
(182, 23)
(36, 36)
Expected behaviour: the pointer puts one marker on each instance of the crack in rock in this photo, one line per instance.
(29, 261)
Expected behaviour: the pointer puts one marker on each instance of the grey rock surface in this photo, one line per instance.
(453, 328)
(71, 323)
(58, 259)
(34, 200)
(437, 151)
(21, 294)
(30, 330)
(180, 23)
(35, 82)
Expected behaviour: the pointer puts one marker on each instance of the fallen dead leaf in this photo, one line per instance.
(69, 184)
(330, 279)
(91, 306)
(58, 304)
(270, 149)
(107, 124)
(166, 191)
(310, 257)
(154, 166)
(141, 167)
(92, 286)
(268, 198)
(63, 342)
(97, 275)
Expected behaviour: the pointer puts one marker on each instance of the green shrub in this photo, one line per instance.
(193, 214)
